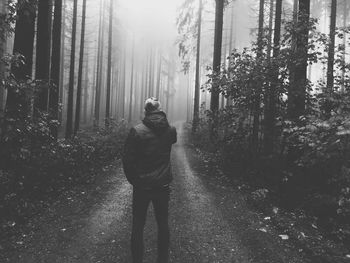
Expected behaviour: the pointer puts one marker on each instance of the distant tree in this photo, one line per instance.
(80, 70)
(99, 67)
(69, 126)
(131, 82)
(109, 64)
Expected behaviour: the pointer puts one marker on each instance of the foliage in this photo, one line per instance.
(310, 158)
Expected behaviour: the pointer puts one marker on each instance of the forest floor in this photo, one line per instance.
(210, 220)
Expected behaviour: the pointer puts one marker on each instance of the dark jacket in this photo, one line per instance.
(146, 158)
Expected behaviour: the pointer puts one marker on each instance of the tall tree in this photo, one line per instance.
(23, 44)
(159, 74)
(219, 15)
(330, 65)
(272, 92)
(109, 64)
(215, 92)
(131, 83)
(55, 64)
(3, 41)
(197, 80)
(80, 70)
(69, 126)
(297, 89)
(345, 16)
(43, 51)
(99, 67)
(60, 84)
(259, 83)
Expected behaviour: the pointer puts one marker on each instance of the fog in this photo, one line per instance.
(145, 51)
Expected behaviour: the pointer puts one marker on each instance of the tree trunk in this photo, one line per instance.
(86, 89)
(297, 93)
(131, 82)
(219, 14)
(99, 68)
(159, 74)
(69, 126)
(55, 65)
(3, 40)
(43, 52)
(109, 64)
(122, 96)
(330, 65)
(62, 66)
(345, 16)
(270, 116)
(80, 70)
(214, 102)
(23, 44)
(259, 82)
(197, 80)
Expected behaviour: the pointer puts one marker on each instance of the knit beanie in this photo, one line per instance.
(152, 104)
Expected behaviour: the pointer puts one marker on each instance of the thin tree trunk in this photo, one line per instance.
(109, 65)
(159, 73)
(131, 82)
(122, 97)
(197, 80)
(86, 89)
(330, 65)
(99, 68)
(55, 64)
(80, 71)
(69, 126)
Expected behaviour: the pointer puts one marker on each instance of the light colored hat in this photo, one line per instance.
(152, 104)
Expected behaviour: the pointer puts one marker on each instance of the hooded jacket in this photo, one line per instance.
(146, 158)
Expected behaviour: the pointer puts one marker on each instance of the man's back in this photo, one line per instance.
(147, 152)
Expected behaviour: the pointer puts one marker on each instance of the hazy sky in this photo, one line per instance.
(154, 18)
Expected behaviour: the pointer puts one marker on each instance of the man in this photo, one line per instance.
(146, 164)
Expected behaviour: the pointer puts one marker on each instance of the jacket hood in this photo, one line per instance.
(156, 121)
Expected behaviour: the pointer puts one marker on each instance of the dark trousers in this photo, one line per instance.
(160, 201)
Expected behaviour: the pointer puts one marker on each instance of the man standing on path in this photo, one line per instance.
(147, 167)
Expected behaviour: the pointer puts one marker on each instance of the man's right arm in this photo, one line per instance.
(130, 156)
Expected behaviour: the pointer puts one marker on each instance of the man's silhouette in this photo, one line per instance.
(146, 164)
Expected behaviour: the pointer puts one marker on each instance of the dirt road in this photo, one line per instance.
(210, 222)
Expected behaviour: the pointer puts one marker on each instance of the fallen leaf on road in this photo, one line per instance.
(284, 237)
(262, 229)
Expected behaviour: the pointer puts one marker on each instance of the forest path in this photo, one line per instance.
(209, 220)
